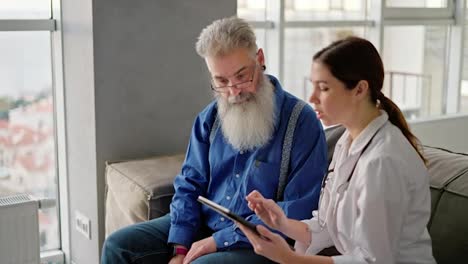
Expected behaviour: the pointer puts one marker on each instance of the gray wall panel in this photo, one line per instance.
(134, 85)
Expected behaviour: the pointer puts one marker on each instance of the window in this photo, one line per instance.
(25, 9)
(304, 27)
(464, 77)
(419, 41)
(252, 10)
(300, 45)
(414, 60)
(325, 10)
(417, 3)
(28, 145)
(27, 127)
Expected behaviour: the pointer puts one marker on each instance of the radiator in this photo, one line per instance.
(19, 230)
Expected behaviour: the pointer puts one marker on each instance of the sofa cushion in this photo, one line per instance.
(139, 190)
(448, 227)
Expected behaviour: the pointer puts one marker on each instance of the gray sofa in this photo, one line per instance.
(140, 190)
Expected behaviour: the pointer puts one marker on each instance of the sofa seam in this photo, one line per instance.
(454, 178)
(154, 197)
(456, 193)
(145, 192)
(447, 150)
(436, 206)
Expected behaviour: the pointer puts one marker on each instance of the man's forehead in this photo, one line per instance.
(240, 70)
(228, 64)
(228, 69)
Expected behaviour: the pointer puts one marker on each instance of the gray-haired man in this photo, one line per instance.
(238, 144)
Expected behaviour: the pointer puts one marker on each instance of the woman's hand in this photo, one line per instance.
(272, 245)
(268, 211)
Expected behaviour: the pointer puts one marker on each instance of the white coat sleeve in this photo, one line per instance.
(320, 238)
(381, 203)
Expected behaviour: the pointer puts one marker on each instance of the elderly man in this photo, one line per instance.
(253, 136)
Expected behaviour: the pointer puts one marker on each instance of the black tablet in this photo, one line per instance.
(227, 213)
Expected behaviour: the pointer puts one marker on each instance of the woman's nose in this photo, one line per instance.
(313, 98)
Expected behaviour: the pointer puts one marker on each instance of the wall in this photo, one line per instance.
(446, 132)
(133, 85)
(78, 57)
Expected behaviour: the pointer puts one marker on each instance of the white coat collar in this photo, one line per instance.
(363, 138)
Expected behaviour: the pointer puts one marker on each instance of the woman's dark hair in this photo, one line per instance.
(353, 59)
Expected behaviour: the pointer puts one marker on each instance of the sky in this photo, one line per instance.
(25, 65)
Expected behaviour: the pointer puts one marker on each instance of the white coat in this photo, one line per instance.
(380, 215)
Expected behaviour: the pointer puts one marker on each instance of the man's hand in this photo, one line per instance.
(200, 248)
(177, 259)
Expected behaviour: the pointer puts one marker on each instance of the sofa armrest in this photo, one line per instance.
(139, 190)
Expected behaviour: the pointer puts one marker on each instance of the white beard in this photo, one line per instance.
(249, 124)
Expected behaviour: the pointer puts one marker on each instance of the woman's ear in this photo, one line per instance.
(362, 89)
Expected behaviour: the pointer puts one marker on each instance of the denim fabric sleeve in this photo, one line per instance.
(191, 182)
(226, 238)
(308, 166)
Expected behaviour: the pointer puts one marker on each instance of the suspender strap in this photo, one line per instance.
(214, 128)
(287, 146)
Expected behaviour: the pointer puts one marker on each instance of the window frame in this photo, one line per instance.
(52, 25)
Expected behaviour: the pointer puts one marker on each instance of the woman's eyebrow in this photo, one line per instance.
(318, 81)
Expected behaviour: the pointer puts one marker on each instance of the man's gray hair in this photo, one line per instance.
(225, 35)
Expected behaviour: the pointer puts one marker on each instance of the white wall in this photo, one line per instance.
(446, 132)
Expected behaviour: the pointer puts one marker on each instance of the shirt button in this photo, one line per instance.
(226, 243)
(228, 197)
(241, 152)
(222, 218)
(237, 175)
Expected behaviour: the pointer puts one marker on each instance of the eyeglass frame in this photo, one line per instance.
(224, 89)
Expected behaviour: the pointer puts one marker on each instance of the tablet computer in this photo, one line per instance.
(227, 213)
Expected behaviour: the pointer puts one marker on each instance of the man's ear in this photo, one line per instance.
(361, 89)
(260, 57)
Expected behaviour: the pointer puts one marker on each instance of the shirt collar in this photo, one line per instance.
(363, 138)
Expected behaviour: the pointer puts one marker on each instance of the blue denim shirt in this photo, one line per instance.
(225, 175)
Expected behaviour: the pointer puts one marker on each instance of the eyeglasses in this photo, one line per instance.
(243, 78)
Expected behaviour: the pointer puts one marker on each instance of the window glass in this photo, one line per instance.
(261, 37)
(300, 46)
(414, 59)
(253, 10)
(416, 3)
(464, 77)
(325, 9)
(27, 141)
(25, 9)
